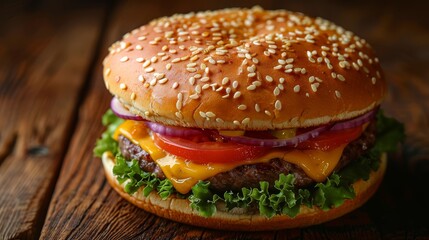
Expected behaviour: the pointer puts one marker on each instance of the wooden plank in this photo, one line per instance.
(42, 73)
(84, 206)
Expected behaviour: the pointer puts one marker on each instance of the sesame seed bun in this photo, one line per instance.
(178, 209)
(249, 69)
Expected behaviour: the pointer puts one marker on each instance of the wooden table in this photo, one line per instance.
(52, 97)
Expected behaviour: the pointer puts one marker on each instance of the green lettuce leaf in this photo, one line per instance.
(106, 142)
(130, 173)
(282, 198)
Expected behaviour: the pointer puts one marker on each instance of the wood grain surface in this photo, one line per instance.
(52, 97)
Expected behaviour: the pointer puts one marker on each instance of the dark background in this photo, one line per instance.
(52, 97)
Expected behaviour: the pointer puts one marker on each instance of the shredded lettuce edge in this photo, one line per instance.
(281, 199)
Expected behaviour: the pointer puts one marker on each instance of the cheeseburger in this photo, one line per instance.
(245, 119)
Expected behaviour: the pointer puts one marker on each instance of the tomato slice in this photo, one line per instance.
(209, 151)
(332, 139)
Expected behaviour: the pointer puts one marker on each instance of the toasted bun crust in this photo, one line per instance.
(179, 210)
(245, 69)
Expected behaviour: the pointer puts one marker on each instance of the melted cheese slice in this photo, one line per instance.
(184, 174)
(138, 134)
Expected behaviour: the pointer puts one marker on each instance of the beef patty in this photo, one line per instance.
(250, 175)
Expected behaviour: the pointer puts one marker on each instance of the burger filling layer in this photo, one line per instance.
(252, 174)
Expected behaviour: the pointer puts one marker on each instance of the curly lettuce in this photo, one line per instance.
(283, 199)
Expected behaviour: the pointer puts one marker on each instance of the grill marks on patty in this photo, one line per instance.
(250, 175)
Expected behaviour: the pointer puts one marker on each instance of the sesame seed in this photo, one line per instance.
(242, 107)
(179, 105)
(194, 58)
(225, 80)
(191, 65)
(163, 80)
(281, 80)
(191, 69)
(245, 121)
(251, 74)
(251, 87)
(236, 122)
(314, 86)
(176, 60)
(159, 75)
(149, 69)
(154, 59)
(198, 89)
(257, 108)
(138, 47)
(337, 93)
(179, 115)
(277, 67)
(203, 114)
(204, 79)
(141, 78)
(333, 75)
(219, 120)
(139, 60)
(276, 91)
(251, 69)
(164, 58)
(168, 66)
(124, 45)
(359, 62)
(235, 84)
(133, 96)
(373, 80)
(289, 60)
(341, 77)
(146, 63)
(237, 94)
(175, 85)
(124, 59)
(278, 105)
(192, 80)
(210, 114)
(123, 86)
(153, 82)
(268, 78)
(267, 112)
(194, 96)
(297, 88)
(107, 72)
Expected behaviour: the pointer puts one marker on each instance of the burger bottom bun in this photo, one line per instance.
(238, 219)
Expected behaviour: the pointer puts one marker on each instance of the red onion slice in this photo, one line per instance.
(355, 122)
(120, 111)
(173, 131)
(292, 142)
